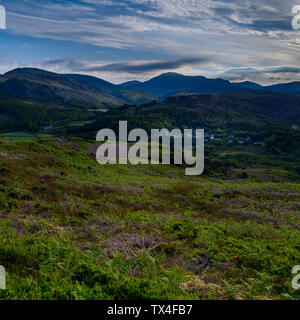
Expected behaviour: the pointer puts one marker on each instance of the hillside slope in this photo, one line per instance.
(31, 99)
(292, 88)
(229, 111)
(40, 85)
(72, 229)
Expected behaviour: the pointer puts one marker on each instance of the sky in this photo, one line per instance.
(126, 40)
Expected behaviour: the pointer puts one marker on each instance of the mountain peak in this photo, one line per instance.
(247, 85)
(170, 83)
(27, 71)
(130, 84)
(176, 76)
(171, 74)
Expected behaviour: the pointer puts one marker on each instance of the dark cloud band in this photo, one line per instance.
(132, 67)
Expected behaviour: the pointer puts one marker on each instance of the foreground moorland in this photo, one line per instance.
(72, 229)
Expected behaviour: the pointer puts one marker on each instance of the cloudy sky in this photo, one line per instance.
(138, 39)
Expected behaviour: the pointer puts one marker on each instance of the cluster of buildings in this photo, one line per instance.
(231, 139)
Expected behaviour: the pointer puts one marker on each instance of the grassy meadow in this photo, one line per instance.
(72, 229)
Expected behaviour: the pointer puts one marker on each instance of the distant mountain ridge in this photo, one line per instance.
(248, 85)
(130, 84)
(170, 84)
(292, 87)
(40, 85)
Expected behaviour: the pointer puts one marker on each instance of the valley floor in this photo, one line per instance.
(72, 229)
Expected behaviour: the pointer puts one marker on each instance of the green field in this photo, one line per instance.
(22, 136)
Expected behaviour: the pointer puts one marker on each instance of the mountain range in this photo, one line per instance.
(39, 85)
(170, 84)
(31, 99)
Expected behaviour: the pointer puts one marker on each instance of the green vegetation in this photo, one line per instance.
(19, 115)
(22, 136)
(31, 99)
(72, 229)
(250, 130)
(258, 114)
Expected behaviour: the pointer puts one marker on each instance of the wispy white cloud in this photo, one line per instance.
(265, 75)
